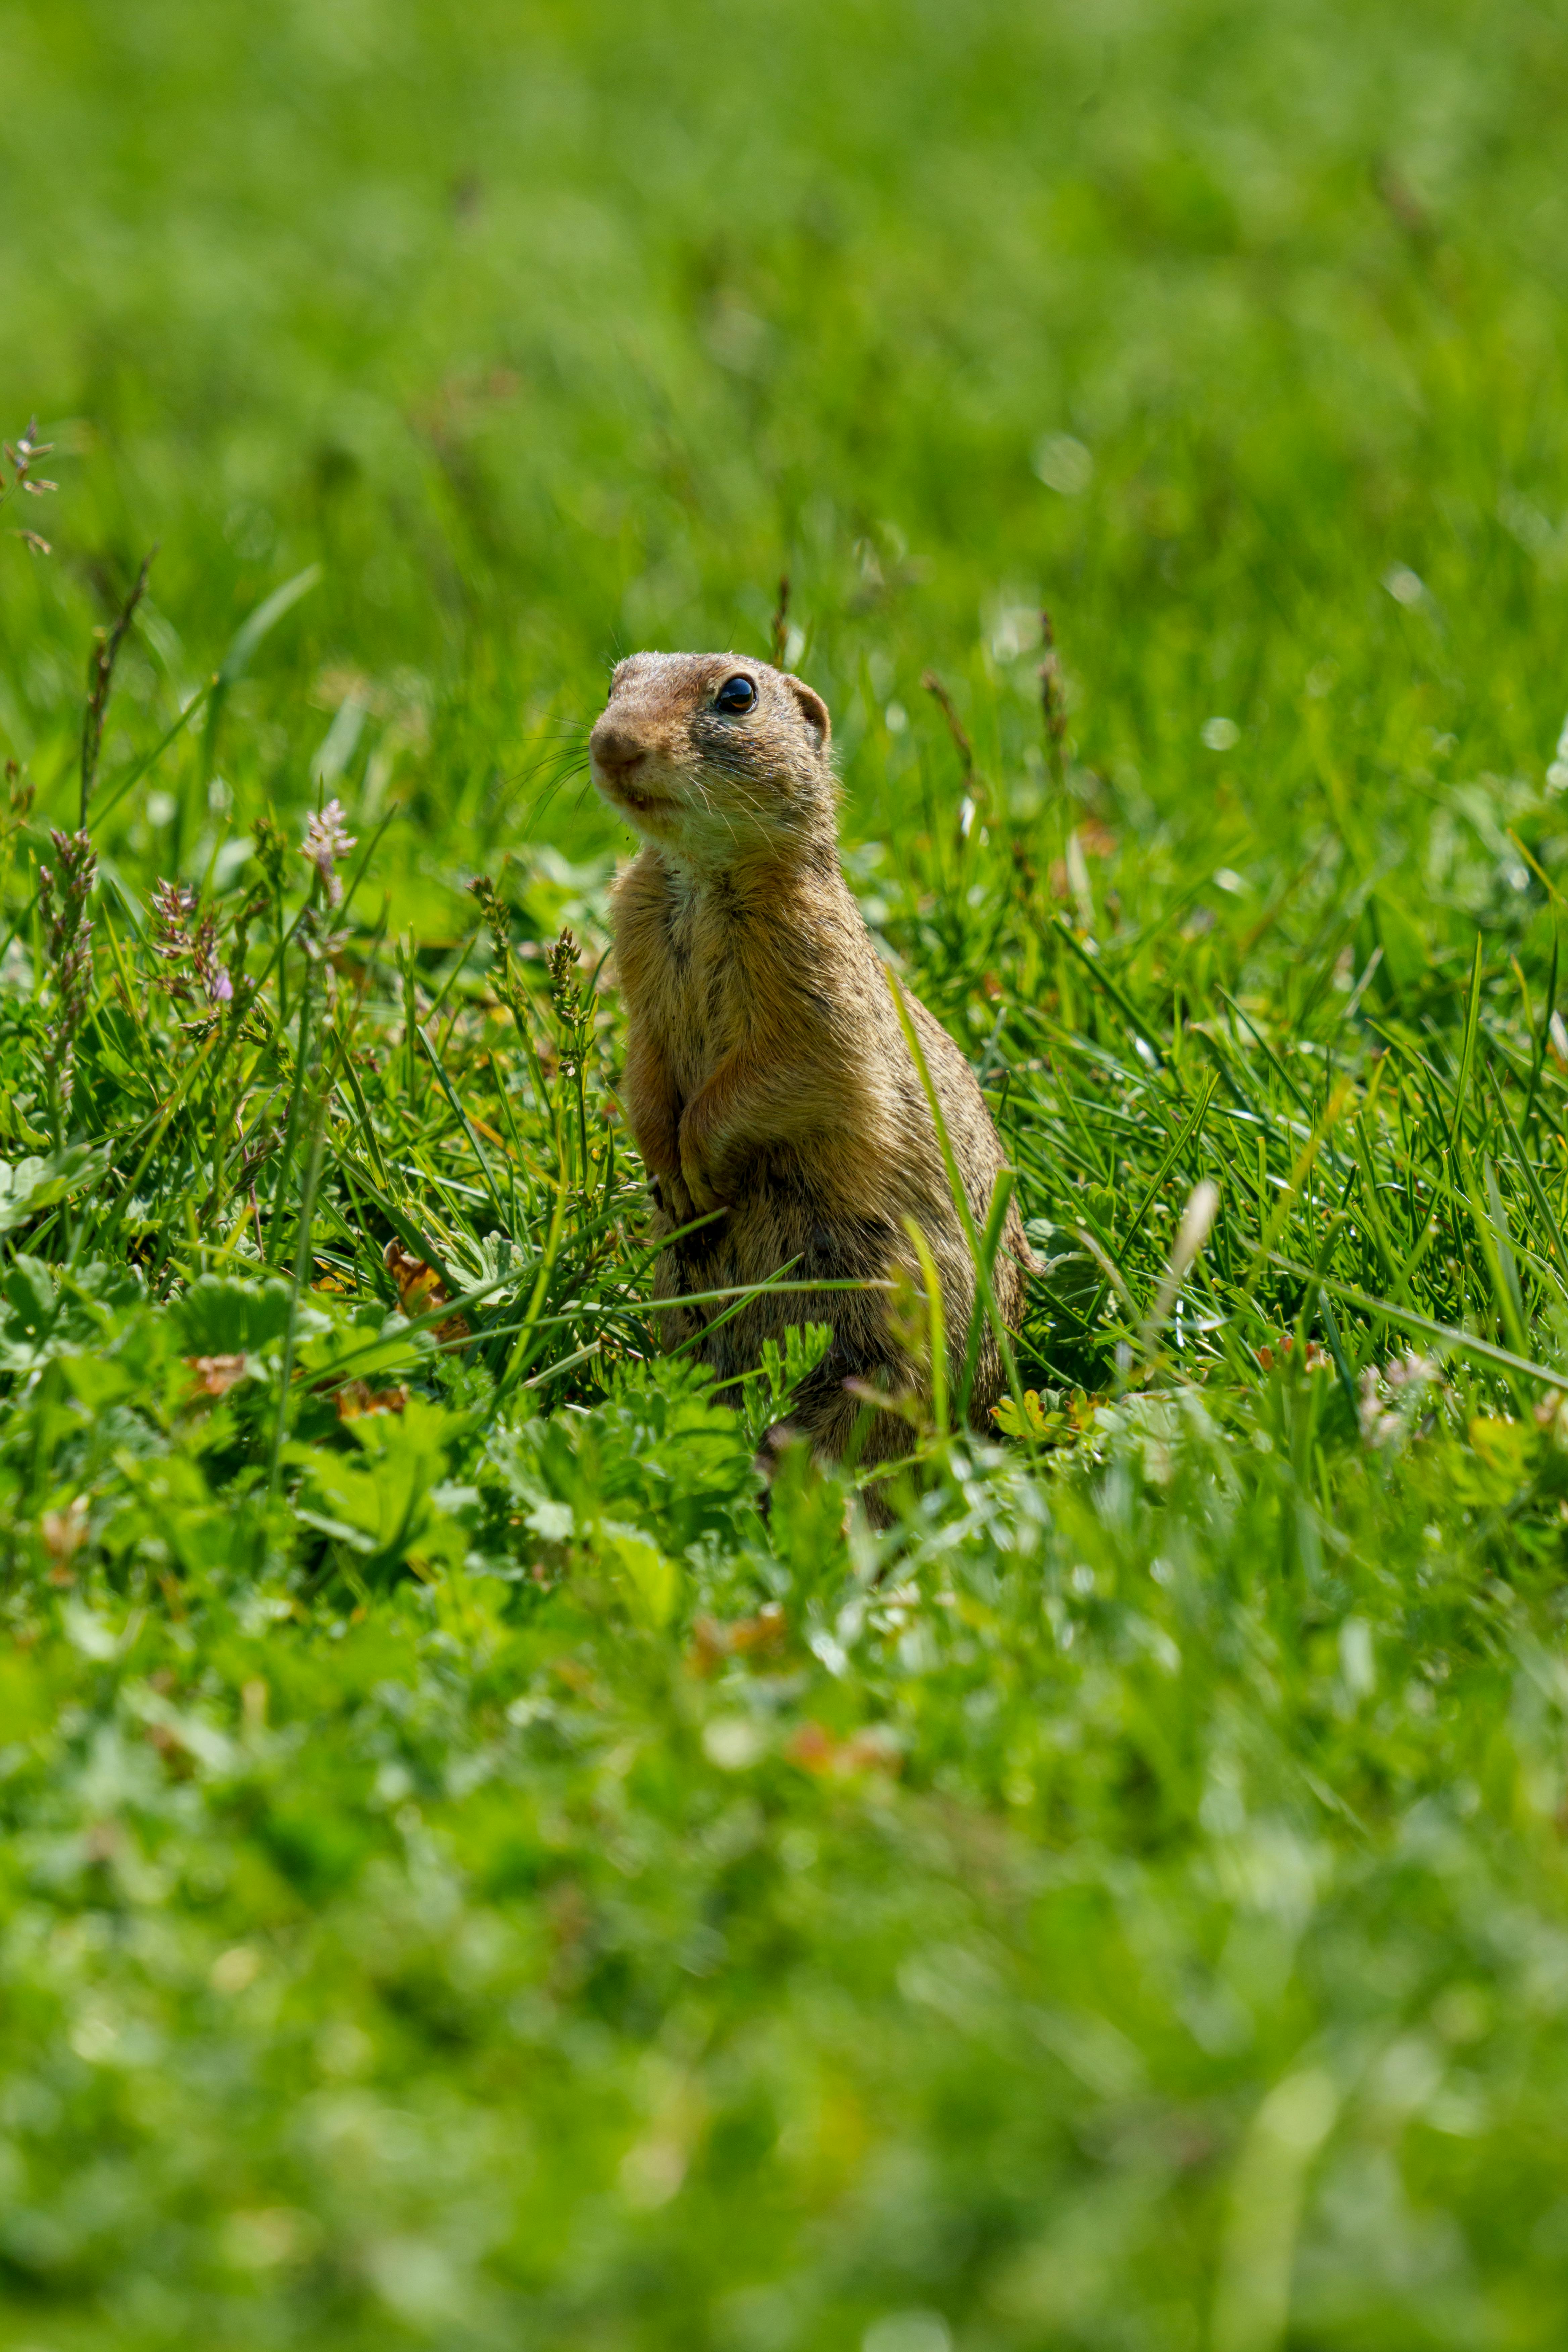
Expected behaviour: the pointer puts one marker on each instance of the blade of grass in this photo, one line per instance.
(467, 1124)
(1281, 1214)
(936, 1325)
(1467, 1049)
(1197, 1217)
(1424, 1327)
(1108, 987)
(1190, 1126)
(244, 643)
(990, 1242)
(302, 1277)
(960, 1199)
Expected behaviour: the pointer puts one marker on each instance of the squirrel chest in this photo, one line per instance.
(716, 973)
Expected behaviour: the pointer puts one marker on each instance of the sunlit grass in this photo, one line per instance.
(469, 1875)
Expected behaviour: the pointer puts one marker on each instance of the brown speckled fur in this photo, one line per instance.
(766, 1070)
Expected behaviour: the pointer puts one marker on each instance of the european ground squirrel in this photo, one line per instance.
(767, 1072)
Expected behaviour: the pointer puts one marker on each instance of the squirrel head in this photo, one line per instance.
(715, 759)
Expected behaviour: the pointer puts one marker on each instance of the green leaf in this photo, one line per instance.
(1033, 1422)
(220, 1314)
(651, 1577)
(29, 1186)
(264, 618)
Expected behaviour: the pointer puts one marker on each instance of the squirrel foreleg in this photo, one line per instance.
(741, 1108)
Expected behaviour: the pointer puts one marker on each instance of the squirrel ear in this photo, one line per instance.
(813, 710)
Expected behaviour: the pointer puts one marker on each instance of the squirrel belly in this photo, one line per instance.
(769, 1084)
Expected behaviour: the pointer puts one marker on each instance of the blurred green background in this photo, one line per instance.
(551, 332)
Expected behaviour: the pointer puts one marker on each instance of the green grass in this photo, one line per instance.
(467, 1879)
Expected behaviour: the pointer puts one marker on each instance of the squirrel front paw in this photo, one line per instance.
(670, 1194)
(703, 1196)
(697, 1164)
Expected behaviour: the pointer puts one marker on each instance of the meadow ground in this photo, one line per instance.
(465, 1879)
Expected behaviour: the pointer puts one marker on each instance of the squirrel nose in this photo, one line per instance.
(613, 747)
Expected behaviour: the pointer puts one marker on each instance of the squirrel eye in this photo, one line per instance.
(735, 693)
